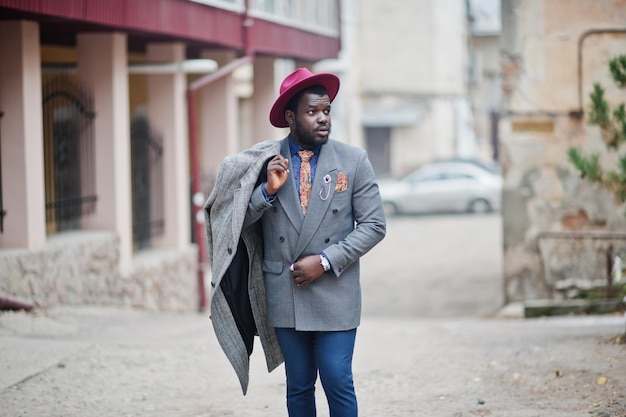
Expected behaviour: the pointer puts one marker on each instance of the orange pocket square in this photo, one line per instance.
(342, 182)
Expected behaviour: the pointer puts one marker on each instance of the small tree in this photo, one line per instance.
(613, 130)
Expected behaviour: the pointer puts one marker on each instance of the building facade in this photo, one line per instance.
(411, 60)
(112, 116)
(485, 86)
(558, 230)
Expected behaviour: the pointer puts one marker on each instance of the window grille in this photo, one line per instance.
(68, 153)
(147, 183)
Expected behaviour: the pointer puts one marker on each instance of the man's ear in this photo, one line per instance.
(290, 117)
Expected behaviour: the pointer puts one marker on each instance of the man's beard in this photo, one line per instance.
(309, 139)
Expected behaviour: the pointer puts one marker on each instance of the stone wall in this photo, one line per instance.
(541, 118)
(163, 280)
(82, 268)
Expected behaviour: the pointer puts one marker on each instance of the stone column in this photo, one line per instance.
(167, 110)
(103, 68)
(22, 136)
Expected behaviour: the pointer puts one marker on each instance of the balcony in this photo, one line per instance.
(320, 16)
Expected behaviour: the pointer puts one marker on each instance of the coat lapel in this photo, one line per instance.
(321, 196)
(288, 194)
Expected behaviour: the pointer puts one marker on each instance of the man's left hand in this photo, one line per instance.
(306, 270)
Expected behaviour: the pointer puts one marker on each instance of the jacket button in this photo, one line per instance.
(275, 209)
(282, 238)
(212, 284)
(230, 251)
(327, 240)
(335, 211)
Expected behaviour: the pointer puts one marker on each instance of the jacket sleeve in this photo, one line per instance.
(369, 218)
(256, 207)
(257, 204)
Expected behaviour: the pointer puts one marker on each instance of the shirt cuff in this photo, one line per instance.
(268, 199)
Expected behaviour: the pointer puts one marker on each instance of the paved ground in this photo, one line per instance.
(429, 345)
(435, 266)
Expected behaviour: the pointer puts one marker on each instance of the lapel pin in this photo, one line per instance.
(327, 185)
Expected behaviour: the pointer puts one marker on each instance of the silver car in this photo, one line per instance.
(447, 186)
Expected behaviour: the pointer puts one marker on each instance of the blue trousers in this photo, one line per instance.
(330, 354)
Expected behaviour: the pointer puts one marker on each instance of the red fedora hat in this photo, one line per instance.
(295, 82)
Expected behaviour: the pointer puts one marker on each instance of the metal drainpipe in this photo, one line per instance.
(580, 59)
(193, 149)
(3, 212)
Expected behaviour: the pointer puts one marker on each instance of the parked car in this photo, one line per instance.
(492, 167)
(444, 187)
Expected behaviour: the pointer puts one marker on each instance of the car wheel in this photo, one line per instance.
(390, 208)
(480, 206)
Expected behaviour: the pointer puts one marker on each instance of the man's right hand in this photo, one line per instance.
(277, 174)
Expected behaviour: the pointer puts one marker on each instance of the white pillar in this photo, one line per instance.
(167, 111)
(218, 118)
(102, 67)
(265, 93)
(22, 136)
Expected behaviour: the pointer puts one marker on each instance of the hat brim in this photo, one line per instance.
(329, 81)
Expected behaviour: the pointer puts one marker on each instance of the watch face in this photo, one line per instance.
(325, 263)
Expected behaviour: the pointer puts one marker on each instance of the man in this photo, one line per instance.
(319, 209)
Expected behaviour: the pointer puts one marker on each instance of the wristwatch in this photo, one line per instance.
(324, 262)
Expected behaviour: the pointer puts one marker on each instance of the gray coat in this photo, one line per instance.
(224, 213)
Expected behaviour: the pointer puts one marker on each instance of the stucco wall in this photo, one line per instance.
(542, 190)
(412, 47)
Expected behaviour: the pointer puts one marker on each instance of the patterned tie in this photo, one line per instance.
(305, 179)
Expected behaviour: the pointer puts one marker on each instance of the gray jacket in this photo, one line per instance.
(345, 219)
